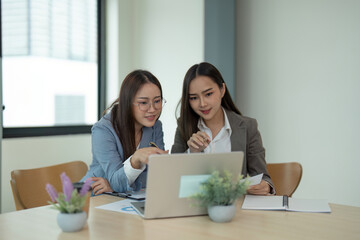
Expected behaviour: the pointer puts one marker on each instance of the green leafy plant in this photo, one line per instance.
(70, 200)
(221, 189)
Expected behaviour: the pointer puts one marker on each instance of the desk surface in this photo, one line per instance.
(40, 223)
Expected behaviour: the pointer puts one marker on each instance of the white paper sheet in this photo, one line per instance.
(254, 180)
(123, 206)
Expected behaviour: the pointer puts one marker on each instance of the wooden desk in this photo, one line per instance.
(40, 223)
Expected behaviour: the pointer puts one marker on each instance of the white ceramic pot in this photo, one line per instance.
(71, 222)
(222, 213)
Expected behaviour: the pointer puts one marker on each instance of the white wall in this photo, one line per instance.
(119, 47)
(169, 39)
(166, 38)
(33, 152)
(299, 75)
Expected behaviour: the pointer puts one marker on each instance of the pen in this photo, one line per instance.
(124, 195)
(153, 144)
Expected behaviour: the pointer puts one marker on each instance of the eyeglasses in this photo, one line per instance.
(145, 105)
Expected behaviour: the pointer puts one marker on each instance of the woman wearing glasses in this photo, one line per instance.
(121, 138)
(210, 122)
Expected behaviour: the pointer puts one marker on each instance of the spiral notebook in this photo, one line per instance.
(285, 203)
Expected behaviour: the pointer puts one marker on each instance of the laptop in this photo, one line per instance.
(172, 178)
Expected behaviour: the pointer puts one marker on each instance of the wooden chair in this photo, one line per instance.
(285, 176)
(28, 186)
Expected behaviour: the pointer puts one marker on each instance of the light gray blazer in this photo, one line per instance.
(245, 137)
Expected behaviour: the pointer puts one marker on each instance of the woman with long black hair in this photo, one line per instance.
(121, 138)
(210, 122)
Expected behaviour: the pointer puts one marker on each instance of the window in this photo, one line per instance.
(50, 66)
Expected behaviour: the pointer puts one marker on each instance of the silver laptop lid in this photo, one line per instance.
(171, 179)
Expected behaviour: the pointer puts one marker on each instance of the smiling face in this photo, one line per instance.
(148, 93)
(205, 98)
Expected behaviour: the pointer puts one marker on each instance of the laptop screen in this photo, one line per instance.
(172, 178)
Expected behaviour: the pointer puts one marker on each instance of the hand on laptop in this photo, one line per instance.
(141, 156)
(198, 141)
(100, 185)
(262, 188)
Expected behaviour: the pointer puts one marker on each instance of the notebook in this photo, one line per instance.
(285, 203)
(172, 178)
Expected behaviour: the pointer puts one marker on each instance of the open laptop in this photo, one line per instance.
(172, 178)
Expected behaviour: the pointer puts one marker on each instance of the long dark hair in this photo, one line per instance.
(187, 122)
(122, 117)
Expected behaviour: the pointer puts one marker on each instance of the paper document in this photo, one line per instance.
(254, 202)
(123, 206)
(254, 180)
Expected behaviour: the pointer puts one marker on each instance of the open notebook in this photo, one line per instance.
(285, 203)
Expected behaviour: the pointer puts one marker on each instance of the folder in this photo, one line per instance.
(285, 203)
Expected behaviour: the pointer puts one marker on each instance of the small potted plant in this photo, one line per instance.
(219, 194)
(70, 203)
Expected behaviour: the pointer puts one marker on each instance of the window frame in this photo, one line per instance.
(20, 132)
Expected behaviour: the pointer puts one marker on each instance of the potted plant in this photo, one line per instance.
(70, 203)
(219, 194)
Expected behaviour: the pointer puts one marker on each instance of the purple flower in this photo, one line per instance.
(52, 192)
(86, 187)
(68, 187)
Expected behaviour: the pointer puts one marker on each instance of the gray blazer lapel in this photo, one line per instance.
(238, 139)
(238, 135)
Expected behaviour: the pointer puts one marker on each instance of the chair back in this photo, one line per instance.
(285, 176)
(28, 186)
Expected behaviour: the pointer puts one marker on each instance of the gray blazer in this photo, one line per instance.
(108, 154)
(245, 137)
